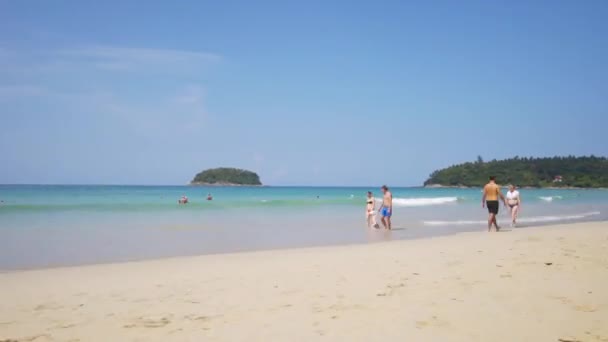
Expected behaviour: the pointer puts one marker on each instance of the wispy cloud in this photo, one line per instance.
(280, 173)
(105, 58)
(127, 58)
(191, 94)
(21, 90)
(147, 89)
(181, 113)
(258, 160)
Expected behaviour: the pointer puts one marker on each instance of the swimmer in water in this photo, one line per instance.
(209, 197)
(370, 213)
(183, 200)
(491, 193)
(514, 203)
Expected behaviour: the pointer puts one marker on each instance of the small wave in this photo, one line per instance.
(535, 219)
(550, 198)
(419, 202)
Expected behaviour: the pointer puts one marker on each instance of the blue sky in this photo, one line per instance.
(304, 93)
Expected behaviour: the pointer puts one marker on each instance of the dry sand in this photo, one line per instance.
(535, 284)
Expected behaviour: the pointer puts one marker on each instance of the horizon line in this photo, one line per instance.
(211, 186)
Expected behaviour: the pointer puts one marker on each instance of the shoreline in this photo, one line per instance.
(511, 286)
(440, 186)
(379, 238)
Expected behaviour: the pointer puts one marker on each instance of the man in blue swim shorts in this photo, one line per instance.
(386, 210)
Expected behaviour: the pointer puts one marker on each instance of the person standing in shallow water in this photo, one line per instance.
(387, 207)
(491, 193)
(371, 211)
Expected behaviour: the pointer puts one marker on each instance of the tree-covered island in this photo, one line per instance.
(226, 176)
(580, 172)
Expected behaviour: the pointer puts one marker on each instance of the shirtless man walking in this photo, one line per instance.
(491, 193)
(387, 207)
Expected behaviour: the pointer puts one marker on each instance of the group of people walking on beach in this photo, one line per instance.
(386, 209)
(491, 195)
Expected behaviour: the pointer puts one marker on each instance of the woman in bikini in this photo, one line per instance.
(514, 203)
(371, 211)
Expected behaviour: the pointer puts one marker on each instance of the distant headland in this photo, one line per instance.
(226, 176)
(557, 172)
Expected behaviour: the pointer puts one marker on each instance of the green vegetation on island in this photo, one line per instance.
(580, 172)
(226, 176)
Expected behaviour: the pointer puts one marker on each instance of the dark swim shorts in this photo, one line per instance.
(492, 207)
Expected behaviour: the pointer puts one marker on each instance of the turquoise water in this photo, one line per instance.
(44, 225)
(50, 198)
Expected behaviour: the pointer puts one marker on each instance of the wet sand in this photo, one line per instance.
(532, 284)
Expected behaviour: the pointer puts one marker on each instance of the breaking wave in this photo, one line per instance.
(550, 198)
(420, 202)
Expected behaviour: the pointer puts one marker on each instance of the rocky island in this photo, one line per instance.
(558, 172)
(226, 176)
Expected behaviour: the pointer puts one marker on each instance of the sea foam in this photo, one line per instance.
(420, 202)
(550, 198)
(534, 219)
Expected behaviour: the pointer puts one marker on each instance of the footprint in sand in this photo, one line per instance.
(48, 306)
(149, 322)
(434, 321)
(421, 324)
(584, 308)
(564, 300)
(198, 318)
(393, 288)
(25, 339)
(454, 263)
(66, 326)
(577, 307)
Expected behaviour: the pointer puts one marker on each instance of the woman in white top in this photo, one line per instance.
(514, 203)
(370, 208)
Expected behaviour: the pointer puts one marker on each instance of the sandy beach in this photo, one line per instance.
(533, 284)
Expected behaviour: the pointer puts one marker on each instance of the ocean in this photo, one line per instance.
(63, 225)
